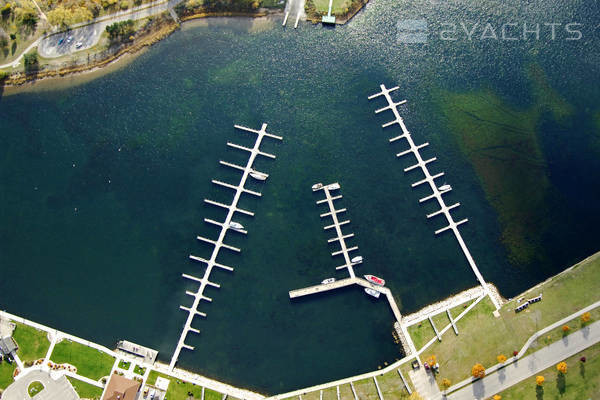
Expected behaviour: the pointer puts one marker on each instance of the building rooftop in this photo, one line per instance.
(7, 346)
(121, 388)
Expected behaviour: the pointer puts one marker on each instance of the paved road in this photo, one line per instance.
(530, 365)
(59, 389)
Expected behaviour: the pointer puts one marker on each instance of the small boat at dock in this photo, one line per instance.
(375, 279)
(328, 280)
(259, 176)
(372, 292)
(236, 226)
(356, 260)
(445, 187)
(317, 186)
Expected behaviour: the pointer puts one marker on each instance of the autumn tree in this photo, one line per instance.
(539, 380)
(432, 360)
(562, 367)
(501, 358)
(446, 383)
(478, 371)
(497, 397)
(566, 328)
(585, 317)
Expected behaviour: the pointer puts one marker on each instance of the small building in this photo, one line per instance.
(133, 349)
(121, 388)
(7, 346)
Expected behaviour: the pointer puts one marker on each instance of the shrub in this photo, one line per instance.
(539, 380)
(501, 358)
(478, 371)
(586, 317)
(562, 367)
(31, 61)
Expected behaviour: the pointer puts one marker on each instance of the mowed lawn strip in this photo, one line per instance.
(179, 391)
(85, 390)
(581, 382)
(6, 373)
(90, 362)
(365, 389)
(421, 333)
(338, 7)
(33, 344)
(391, 386)
(482, 337)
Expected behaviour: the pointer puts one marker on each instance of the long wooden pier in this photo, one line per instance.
(225, 226)
(437, 192)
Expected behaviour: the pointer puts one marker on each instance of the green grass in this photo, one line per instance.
(339, 7)
(139, 370)
(90, 362)
(455, 312)
(33, 344)
(85, 390)
(421, 333)
(34, 388)
(346, 392)
(365, 389)
(124, 364)
(391, 386)
(179, 391)
(581, 382)
(441, 321)
(6, 374)
(330, 393)
(482, 337)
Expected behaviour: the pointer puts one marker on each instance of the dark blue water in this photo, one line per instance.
(102, 185)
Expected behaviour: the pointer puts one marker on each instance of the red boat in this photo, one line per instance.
(376, 280)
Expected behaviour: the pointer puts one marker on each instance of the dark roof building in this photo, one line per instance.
(7, 346)
(120, 388)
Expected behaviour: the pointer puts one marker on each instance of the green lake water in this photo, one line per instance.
(102, 184)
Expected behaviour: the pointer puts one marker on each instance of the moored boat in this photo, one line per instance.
(356, 260)
(372, 292)
(445, 187)
(317, 186)
(328, 280)
(259, 176)
(236, 225)
(375, 279)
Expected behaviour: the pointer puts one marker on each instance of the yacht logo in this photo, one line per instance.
(412, 31)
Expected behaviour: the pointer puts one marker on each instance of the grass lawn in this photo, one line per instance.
(33, 344)
(85, 390)
(581, 382)
(34, 388)
(455, 312)
(330, 393)
(124, 364)
(339, 7)
(90, 362)
(421, 333)
(391, 386)
(179, 391)
(6, 374)
(365, 389)
(346, 392)
(482, 337)
(139, 370)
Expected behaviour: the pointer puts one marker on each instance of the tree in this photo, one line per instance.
(497, 397)
(446, 383)
(501, 358)
(562, 367)
(478, 371)
(539, 380)
(31, 61)
(6, 9)
(566, 328)
(585, 317)
(432, 360)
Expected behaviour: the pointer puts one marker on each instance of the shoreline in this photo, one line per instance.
(19, 82)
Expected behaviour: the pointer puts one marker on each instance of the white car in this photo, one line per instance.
(78, 45)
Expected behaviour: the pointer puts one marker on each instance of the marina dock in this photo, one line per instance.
(225, 226)
(429, 179)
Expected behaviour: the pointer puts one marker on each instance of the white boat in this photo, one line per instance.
(375, 279)
(328, 280)
(356, 260)
(236, 225)
(317, 186)
(372, 292)
(445, 187)
(259, 176)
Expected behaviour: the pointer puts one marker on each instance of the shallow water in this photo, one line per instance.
(102, 185)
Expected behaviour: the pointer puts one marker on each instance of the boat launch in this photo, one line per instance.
(376, 280)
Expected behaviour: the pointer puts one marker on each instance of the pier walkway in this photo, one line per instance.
(429, 179)
(228, 224)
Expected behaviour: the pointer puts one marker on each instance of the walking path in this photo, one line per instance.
(425, 384)
(530, 365)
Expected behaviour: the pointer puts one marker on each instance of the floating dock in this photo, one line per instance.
(429, 179)
(225, 226)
